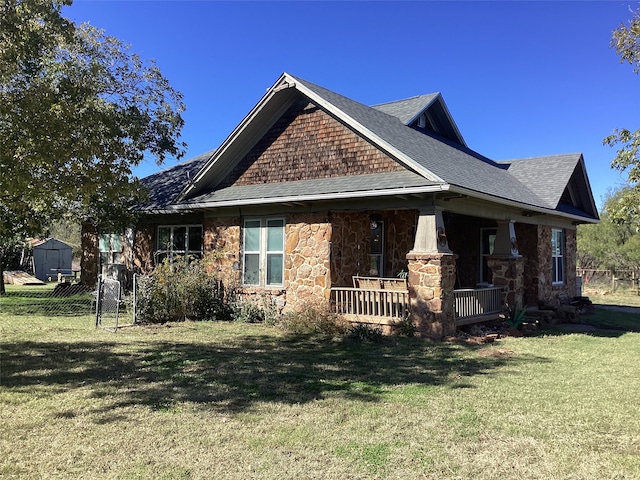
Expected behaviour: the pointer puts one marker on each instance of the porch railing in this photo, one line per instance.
(471, 305)
(391, 304)
(475, 304)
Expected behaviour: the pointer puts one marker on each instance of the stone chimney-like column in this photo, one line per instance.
(432, 273)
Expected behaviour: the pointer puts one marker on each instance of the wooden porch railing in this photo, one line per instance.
(471, 305)
(477, 304)
(361, 302)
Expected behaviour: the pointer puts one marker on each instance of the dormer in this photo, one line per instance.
(426, 113)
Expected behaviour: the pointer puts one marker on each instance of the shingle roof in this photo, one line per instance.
(453, 163)
(164, 186)
(430, 159)
(407, 110)
(354, 185)
(546, 176)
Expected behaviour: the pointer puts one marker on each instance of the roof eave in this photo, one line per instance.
(525, 206)
(316, 197)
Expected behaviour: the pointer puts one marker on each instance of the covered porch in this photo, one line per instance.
(436, 287)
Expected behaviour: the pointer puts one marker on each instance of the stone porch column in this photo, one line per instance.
(432, 273)
(507, 265)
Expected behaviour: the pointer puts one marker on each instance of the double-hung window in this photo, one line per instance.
(178, 241)
(110, 245)
(557, 256)
(263, 252)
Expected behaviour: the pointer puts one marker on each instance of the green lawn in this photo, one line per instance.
(240, 401)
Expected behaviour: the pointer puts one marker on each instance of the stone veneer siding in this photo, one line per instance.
(222, 247)
(351, 243)
(90, 253)
(431, 280)
(307, 143)
(307, 264)
(547, 292)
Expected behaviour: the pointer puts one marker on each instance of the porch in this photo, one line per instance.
(385, 301)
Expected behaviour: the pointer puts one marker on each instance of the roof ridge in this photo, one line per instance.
(405, 99)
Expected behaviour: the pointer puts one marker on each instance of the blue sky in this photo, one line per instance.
(521, 79)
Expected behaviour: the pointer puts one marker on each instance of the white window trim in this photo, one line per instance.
(483, 255)
(114, 255)
(171, 253)
(262, 252)
(558, 258)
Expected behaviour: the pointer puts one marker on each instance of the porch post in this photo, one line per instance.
(506, 263)
(432, 273)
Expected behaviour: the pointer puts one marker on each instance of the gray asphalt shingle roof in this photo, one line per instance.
(164, 186)
(408, 109)
(455, 164)
(546, 176)
(430, 160)
(309, 188)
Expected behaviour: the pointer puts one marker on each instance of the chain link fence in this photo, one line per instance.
(66, 300)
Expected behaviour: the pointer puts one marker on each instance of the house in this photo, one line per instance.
(313, 190)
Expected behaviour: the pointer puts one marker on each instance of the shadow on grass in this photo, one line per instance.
(232, 377)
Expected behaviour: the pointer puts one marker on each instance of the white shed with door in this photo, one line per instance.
(51, 256)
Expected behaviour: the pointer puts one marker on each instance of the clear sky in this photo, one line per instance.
(521, 79)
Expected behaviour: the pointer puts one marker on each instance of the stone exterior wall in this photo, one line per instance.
(90, 253)
(432, 277)
(307, 143)
(307, 265)
(351, 243)
(144, 241)
(350, 247)
(527, 236)
(400, 226)
(508, 273)
(547, 292)
(222, 248)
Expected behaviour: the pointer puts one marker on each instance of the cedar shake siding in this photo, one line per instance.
(307, 144)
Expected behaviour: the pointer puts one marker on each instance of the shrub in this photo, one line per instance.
(311, 318)
(363, 332)
(179, 291)
(405, 327)
(247, 312)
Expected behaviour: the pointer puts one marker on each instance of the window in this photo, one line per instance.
(557, 256)
(110, 245)
(376, 257)
(486, 249)
(263, 252)
(178, 241)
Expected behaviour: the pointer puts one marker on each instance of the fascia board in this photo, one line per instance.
(316, 197)
(382, 144)
(439, 98)
(450, 118)
(515, 204)
(587, 184)
(284, 81)
(426, 107)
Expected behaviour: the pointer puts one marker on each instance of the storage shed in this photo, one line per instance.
(49, 256)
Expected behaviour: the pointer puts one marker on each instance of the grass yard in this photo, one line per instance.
(240, 401)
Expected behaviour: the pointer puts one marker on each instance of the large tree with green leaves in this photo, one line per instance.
(626, 41)
(78, 110)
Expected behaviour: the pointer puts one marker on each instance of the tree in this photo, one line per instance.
(626, 41)
(610, 244)
(78, 111)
